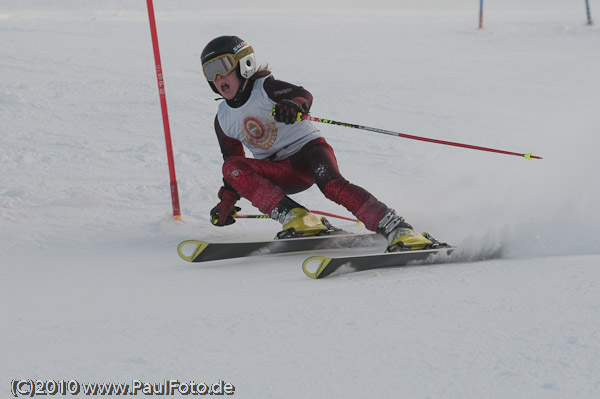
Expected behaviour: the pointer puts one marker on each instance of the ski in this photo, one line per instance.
(327, 266)
(201, 251)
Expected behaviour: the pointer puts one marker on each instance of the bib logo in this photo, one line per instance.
(259, 132)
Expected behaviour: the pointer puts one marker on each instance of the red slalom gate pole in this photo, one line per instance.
(165, 114)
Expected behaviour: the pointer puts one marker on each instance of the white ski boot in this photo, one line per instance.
(400, 235)
(297, 221)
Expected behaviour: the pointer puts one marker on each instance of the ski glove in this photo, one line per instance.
(287, 111)
(224, 213)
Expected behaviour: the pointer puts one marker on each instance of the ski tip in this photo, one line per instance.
(323, 261)
(198, 247)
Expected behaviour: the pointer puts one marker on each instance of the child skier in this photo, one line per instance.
(289, 154)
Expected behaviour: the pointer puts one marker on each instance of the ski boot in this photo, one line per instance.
(400, 235)
(297, 221)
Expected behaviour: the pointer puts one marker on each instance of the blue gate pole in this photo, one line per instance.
(589, 14)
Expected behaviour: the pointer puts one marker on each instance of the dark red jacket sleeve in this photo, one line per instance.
(278, 90)
(229, 147)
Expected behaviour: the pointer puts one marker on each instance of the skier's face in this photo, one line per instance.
(228, 85)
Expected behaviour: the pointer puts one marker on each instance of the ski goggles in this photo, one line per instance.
(221, 65)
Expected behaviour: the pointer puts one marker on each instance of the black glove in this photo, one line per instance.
(224, 213)
(287, 111)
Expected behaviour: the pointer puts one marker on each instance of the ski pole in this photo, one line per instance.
(302, 117)
(238, 216)
(312, 210)
(333, 215)
(529, 155)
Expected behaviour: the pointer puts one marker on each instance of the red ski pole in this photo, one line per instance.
(409, 136)
(165, 114)
(260, 216)
(333, 215)
(301, 117)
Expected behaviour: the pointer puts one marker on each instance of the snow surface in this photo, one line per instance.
(93, 289)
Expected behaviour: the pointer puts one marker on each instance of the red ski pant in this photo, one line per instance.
(265, 183)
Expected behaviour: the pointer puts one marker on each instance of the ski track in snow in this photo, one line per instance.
(93, 289)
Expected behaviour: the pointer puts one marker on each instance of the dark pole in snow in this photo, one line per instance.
(589, 14)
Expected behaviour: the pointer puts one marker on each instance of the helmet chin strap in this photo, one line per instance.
(239, 97)
(243, 88)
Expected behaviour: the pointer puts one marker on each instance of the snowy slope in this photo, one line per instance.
(93, 290)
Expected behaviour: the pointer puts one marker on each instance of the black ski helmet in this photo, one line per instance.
(241, 51)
